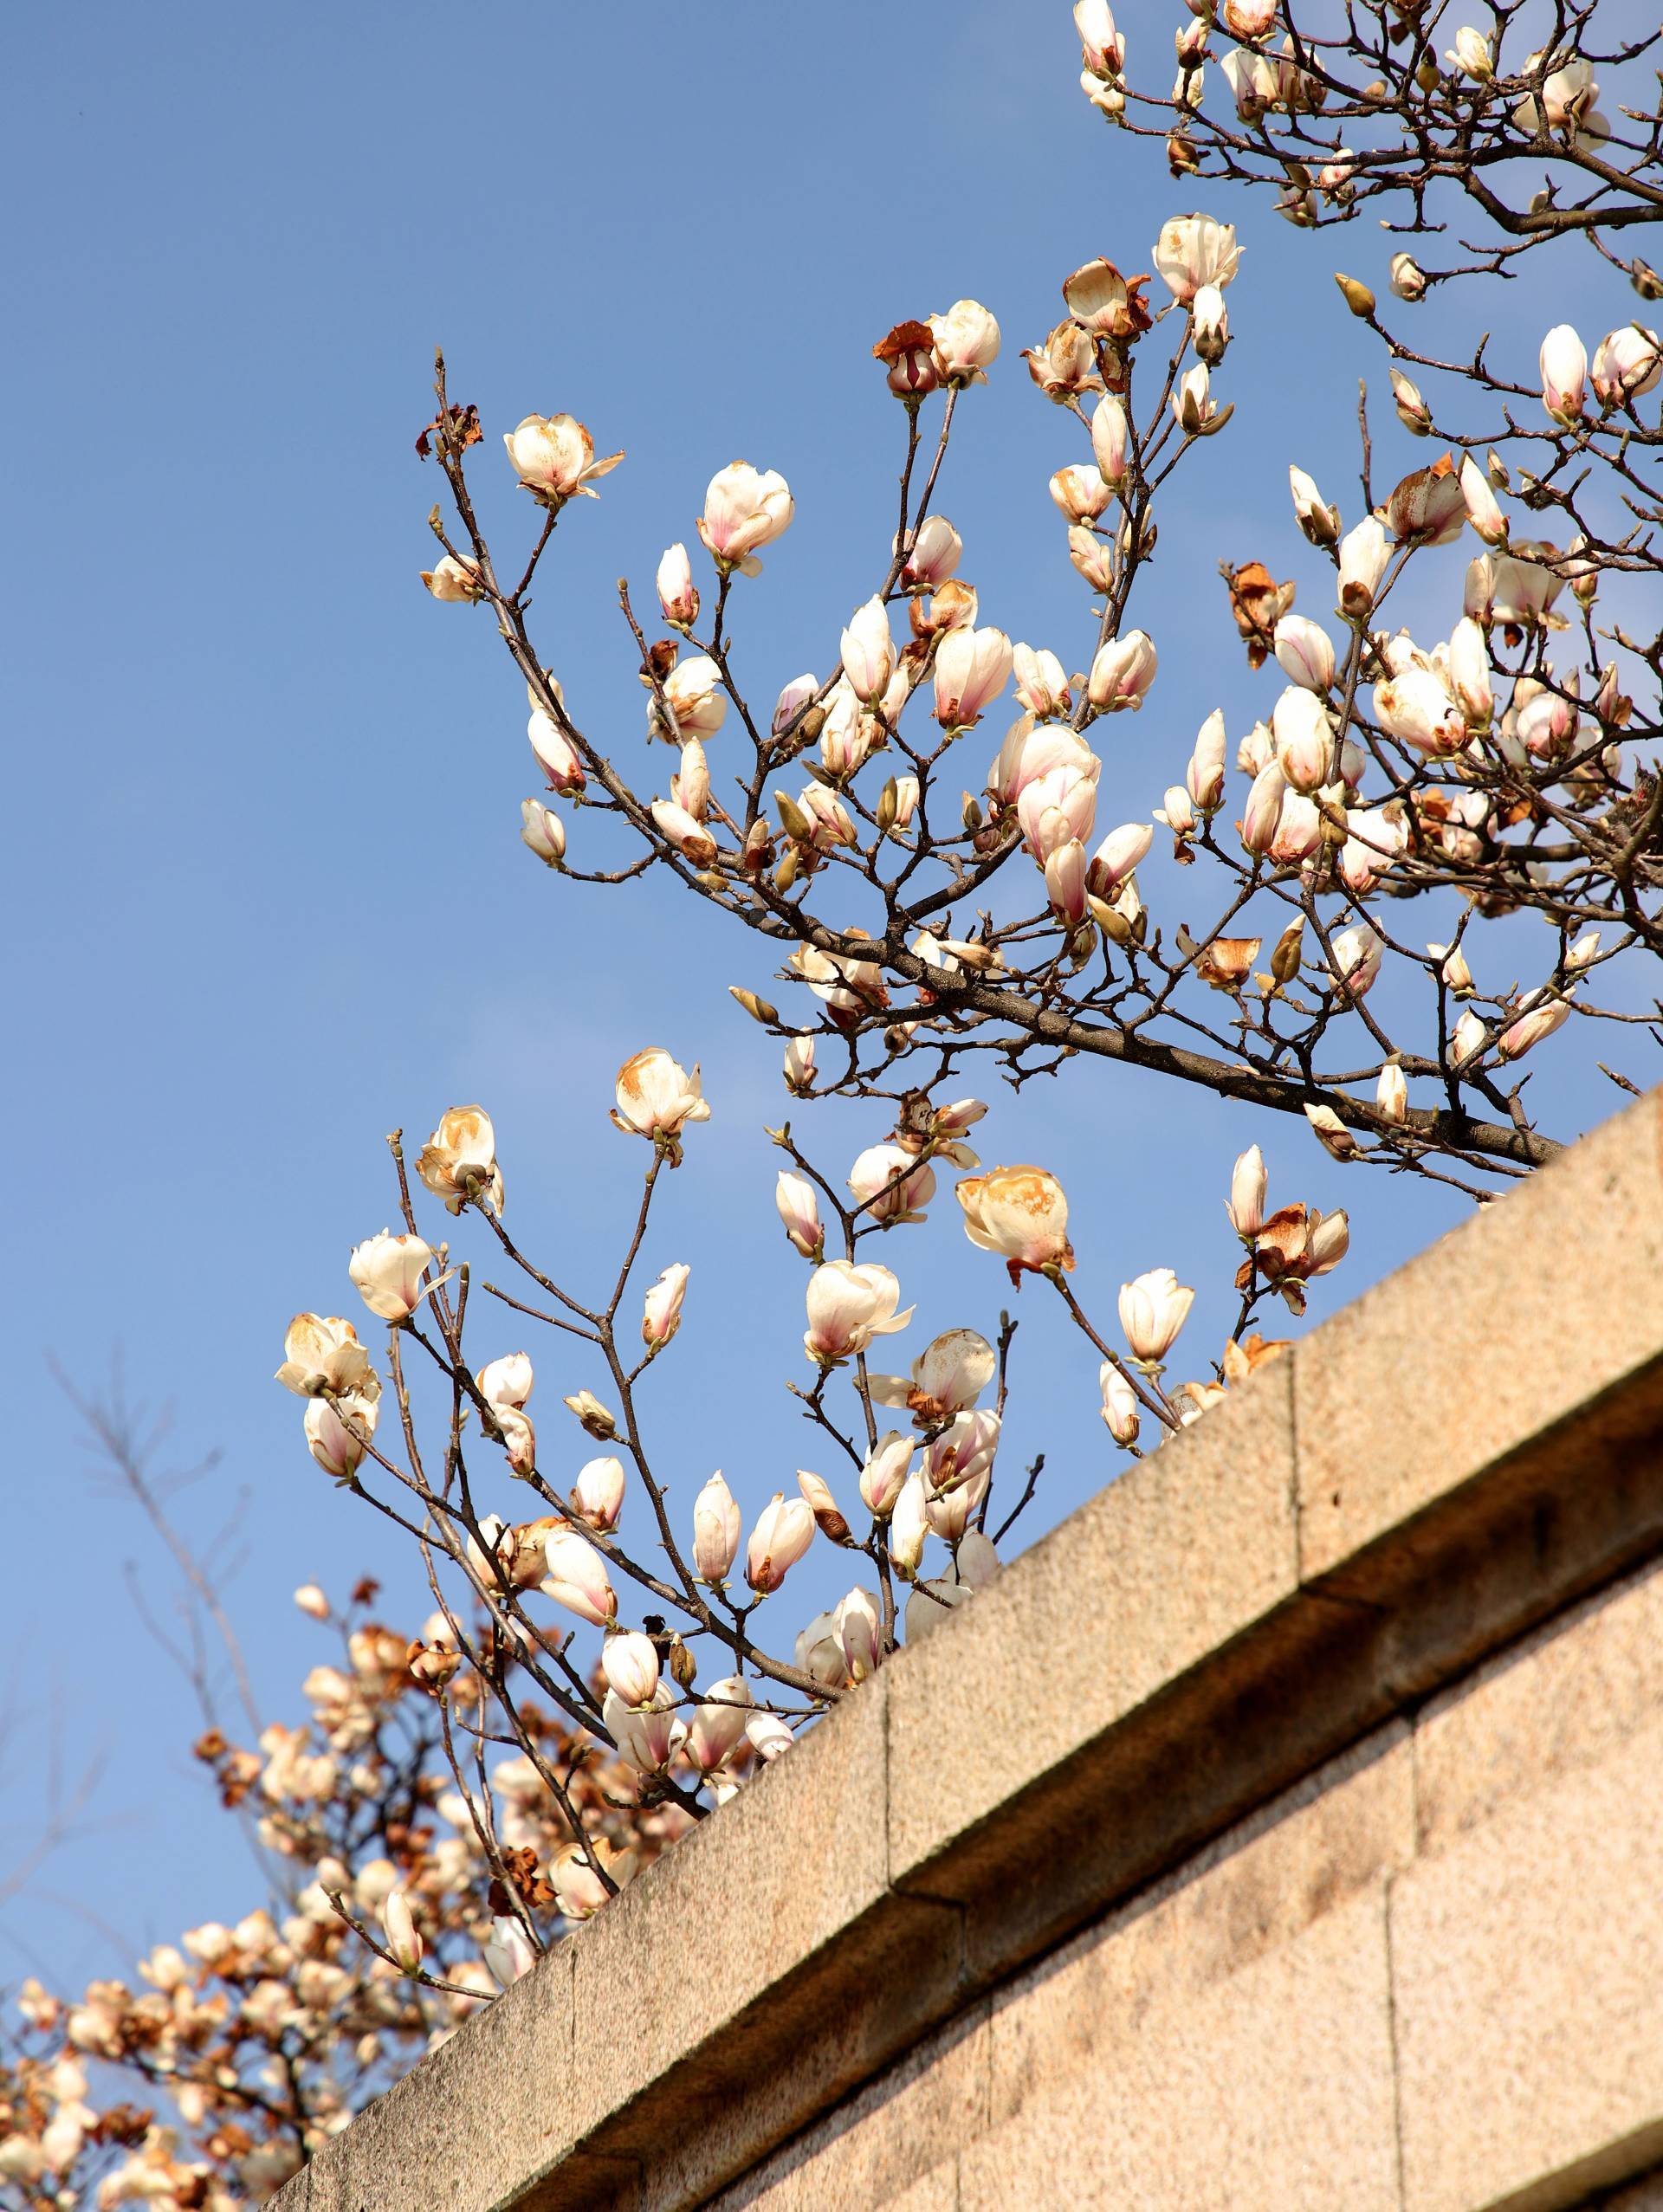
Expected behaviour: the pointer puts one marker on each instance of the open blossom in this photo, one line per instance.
(388, 1271)
(1064, 367)
(662, 1312)
(1102, 302)
(1152, 1308)
(1626, 363)
(1041, 684)
(648, 1738)
(677, 594)
(937, 549)
(972, 667)
(694, 693)
(1019, 1212)
(744, 507)
(1564, 373)
(322, 1354)
(1414, 707)
(1193, 251)
(848, 1306)
(784, 1530)
(458, 1162)
(554, 456)
(967, 342)
(875, 1172)
(715, 1531)
(578, 1578)
(947, 1378)
(1080, 491)
(1122, 673)
(658, 1098)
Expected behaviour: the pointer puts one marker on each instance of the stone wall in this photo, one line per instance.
(1335, 1879)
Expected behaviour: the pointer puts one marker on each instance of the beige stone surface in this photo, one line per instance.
(1190, 1549)
(1529, 1310)
(1568, 1697)
(893, 2145)
(1267, 2091)
(1528, 1981)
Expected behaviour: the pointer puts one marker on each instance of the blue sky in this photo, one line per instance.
(268, 898)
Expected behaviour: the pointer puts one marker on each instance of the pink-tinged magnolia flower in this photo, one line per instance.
(1518, 592)
(1040, 684)
(1568, 101)
(1468, 662)
(662, 1312)
(937, 549)
(1261, 817)
(1412, 410)
(507, 1951)
(658, 1098)
(1030, 756)
(555, 754)
(1249, 1181)
(598, 1492)
(1111, 440)
(404, 1938)
(1466, 1038)
(1320, 522)
(647, 1739)
(848, 1306)
(1483, 508)
(792, 700)
(1357, 955)
(577, 1578)
(885, 1470)
(1022, 1214)
(860, 1632)
(1117, 856)
(1392, 1094)
(1304, 651)
(1249, 19)
(1152, 1308)
(1564, 373)
(1299, 830)
(1055, 807)
(542, 830)
(1064, 367)
(961, 1455)
(322, 1354)
(1177, 810)
(458, 1162)
(1375, 842)
(744, 507)
(828, 1515)
(1193, 410)
(1079, 491)
(799, 1064)
(1102, 302)
(1204, 777)
(1193, 250)
(690, 838)
(388, 1271)
(1103, 48)
(972, 667)
(967, 342)
(1531, 1026)
(1304, 739)
(869, 651)
(677, 593)
(1254, 80)
(1427, 507)
(453, 579)
(630, 1666)
(947, 1378)
(1122, 673)
(1626, 363)
(1409, 279)
(798, 1208)
(715, 1531)
(718, 1722)
(336, 1433)
(1121, 1415)
(1415, 708)
(1090, 557)
(553, 455)
(784, 1531)
(1364, 553)
(873, 1180)
(694, 694)
(580, 1893)
(818, 1653)
(909, 1527)
(1065, 870)
(507, 1381)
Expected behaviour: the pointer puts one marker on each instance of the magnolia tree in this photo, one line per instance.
(916, 851)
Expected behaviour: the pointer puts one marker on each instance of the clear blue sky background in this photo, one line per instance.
(267, 895)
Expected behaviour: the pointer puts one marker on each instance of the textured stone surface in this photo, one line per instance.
(1528, 1979)
(1529, 1311)
(1271, 2088)
(1188, 1550)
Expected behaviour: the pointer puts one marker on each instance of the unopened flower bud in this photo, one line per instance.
(1358, 297)
(816, 1496)
(596, 1419)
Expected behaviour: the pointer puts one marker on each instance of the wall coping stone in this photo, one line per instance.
(1462, 1452)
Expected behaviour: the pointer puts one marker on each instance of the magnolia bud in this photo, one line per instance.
(758, 1009)
(1358, 297)
(404, 1938)
(816, 1495)
(1392, 1094)
(594, 1417)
